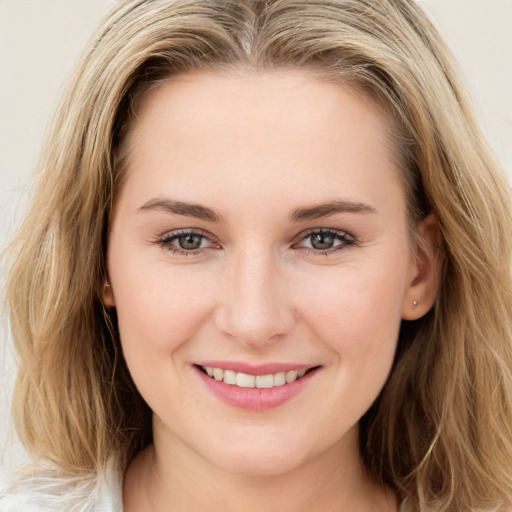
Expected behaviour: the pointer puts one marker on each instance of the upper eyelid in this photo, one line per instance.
(206, 234)
(185, 231)
(166, 239)
(341, 232)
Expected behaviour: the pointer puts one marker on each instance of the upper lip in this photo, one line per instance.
(256, 369)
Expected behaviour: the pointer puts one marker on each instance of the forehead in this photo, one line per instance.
(209, 128)
(216, 94)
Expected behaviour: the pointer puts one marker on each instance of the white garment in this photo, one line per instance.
(46, 492)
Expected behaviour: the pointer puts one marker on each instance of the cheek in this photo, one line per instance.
(166, 307)
(355, 317)
(356, 310)
(159, 313)
(159, 307)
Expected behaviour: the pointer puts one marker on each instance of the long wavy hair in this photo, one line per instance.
(440, 433)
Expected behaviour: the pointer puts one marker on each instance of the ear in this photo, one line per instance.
(425, 270)
(108, 295)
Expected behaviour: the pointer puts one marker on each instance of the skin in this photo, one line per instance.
(254, 149)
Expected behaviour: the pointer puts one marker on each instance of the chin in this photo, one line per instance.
(260, 466)
(262, 459)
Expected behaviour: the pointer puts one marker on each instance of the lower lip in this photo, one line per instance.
(255, 399)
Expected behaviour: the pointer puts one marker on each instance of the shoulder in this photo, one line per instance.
(45, 490)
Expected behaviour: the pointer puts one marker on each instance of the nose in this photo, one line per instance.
(254, 307)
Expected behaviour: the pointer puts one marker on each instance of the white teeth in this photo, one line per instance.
(291, 376)
(244, 380)
(279, 379)
(229, 377)
(265, 381)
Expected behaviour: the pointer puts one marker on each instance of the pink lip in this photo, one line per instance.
(254, 399)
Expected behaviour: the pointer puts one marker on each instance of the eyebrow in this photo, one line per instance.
(331, 208)
(301, 214)
(180, 208)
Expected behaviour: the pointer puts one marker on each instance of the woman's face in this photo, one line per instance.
(261, 231)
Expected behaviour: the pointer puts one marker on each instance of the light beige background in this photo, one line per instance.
(41, 39)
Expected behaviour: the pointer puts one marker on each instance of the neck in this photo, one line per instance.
(169, 476)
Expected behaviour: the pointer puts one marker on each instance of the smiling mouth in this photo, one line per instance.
(244, 380)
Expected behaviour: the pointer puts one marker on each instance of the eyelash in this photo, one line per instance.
(166, 241)
(341, 236)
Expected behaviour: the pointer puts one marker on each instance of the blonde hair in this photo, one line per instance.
(440, 433)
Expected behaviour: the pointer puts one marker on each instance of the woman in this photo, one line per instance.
(267, 265)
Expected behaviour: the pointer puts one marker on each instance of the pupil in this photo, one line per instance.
(322, 241)
(190, 241)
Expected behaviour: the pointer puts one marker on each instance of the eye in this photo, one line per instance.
(189, 241)
(185, 242)
(325, 241)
